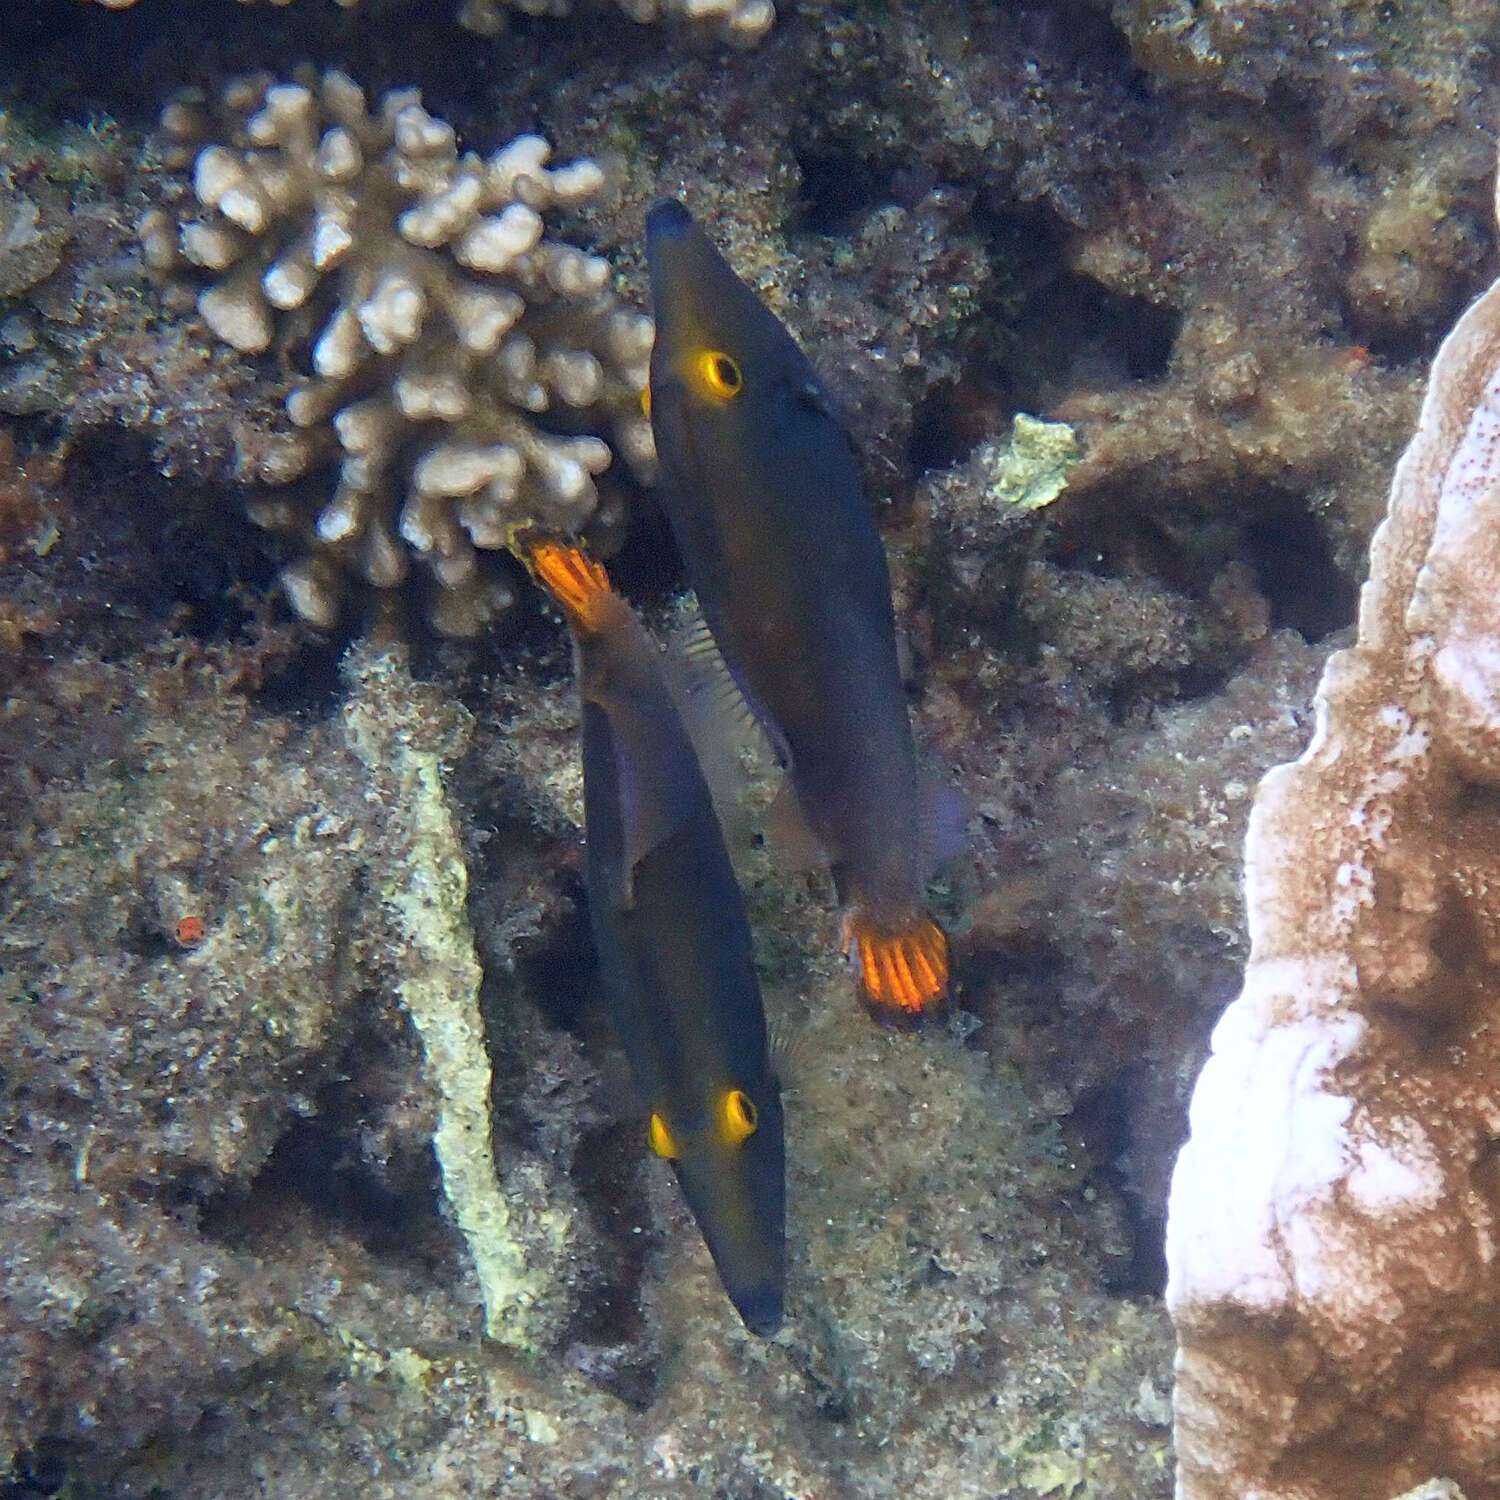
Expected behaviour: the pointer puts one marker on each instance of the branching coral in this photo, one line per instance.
(1333, 1270)
(463, 359)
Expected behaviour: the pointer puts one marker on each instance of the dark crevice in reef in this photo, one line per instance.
(1061, 333)
(1066, 328)
(1450, 1003)
(561, 971)
(139, 549)
(954, 417)
(90, 60)
(1186, 548)
(838, 188)
(1294, 566)
(1081, 37)
(1101, 1116)
(647, 569)
(310, 683)
(36, 1472)
(610, 1339)
(1076, 332)
(1014, 995)
(346, 1167)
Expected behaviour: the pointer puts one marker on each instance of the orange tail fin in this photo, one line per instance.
(578, 584)
(902, 973)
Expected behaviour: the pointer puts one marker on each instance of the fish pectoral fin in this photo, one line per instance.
(902, 971)
(647, 821)
(787, 1047)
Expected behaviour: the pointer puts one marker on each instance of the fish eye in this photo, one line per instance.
(662, 1140)
(718, 374)
(740, 1117)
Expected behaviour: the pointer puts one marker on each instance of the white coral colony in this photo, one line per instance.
(441, 322)
(1334, 1228)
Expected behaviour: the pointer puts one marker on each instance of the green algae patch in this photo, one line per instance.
(1032, 470)
(403, 732)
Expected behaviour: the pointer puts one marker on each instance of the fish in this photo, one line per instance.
(674, 943)
(760, 488)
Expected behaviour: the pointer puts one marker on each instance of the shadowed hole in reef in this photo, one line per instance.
(1076, 332)
(610, 1340)
(1070, 334)
(36, 1472)
(1102, 1117)
(346, 1166)
(139, 549)
(561, 970)
(1294, 566)
(1012, 988)
(310, 683)
(837, 187)
(1456, 940)
(1485, 1174)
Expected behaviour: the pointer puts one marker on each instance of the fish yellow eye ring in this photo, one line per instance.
(661, 1138)
(718, 375)
(738, 1116)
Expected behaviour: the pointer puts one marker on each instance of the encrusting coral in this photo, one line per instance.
(441, 321)
(1333, 1269)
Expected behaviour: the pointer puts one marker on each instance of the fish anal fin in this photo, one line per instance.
(704, 678)
(794, 846)
(902, 971)
(726, 735)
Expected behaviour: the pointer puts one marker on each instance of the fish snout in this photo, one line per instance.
(760, 1309)
(666, 219)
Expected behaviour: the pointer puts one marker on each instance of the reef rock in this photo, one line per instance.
(1332, 1236)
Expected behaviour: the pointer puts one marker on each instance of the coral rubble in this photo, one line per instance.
(227, 1247)
(441, 319)
(1331, 1239)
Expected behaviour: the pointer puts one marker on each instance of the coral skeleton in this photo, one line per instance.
(397, 734)
(464, 363)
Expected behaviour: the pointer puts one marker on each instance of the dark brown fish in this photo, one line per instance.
(674, 945)
(764, 499)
